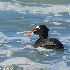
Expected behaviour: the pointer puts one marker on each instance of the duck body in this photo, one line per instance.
(51, 43)
(44, 41)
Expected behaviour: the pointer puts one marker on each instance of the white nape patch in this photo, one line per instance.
(37, 27)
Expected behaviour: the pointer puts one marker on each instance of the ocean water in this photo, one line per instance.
(17, 18)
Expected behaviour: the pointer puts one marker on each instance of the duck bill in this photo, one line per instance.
(30, 33)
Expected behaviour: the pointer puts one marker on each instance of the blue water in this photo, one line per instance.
(17, 18)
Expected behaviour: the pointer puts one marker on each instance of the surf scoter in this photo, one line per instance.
(44, 41)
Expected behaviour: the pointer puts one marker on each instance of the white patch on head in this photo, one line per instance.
(37, 27)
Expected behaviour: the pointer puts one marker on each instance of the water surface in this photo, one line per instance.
(18, 17)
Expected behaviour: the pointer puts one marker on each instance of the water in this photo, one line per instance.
(18, 17)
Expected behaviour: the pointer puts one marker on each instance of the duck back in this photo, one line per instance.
(51, 43)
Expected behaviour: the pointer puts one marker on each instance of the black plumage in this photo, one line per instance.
(44, 41)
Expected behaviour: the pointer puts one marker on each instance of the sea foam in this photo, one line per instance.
(55, 9)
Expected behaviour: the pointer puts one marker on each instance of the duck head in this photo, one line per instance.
(41, 30)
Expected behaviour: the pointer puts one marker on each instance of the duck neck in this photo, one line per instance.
(40, 39)
(43, 37)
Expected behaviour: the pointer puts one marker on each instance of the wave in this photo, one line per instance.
(3, 38)
(26, 63)
(43, 9)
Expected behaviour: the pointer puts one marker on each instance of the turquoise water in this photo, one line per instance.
(17, 18)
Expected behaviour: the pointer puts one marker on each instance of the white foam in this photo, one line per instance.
(52, 9)
(46, 20)
(25, 62)
(3, 38)
(6, 53)
(16, 6)
(56, 23)
(57, 15)
(43, 49)
(60, 66)
(28, 46)
(28, 64)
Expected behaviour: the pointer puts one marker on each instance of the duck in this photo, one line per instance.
(44, 41)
